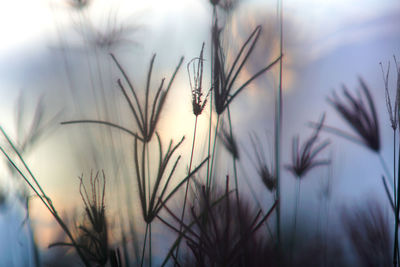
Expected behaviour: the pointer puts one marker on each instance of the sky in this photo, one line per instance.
(326, 44)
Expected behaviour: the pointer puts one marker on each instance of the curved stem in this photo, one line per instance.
(104, 123)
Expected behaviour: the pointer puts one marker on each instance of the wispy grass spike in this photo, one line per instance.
(147, 116)
(303, 158)
(362, 118)
(225, 79)
(393, 111)
(196, 83)
(152, 204)
(229, 142)
(264, 171)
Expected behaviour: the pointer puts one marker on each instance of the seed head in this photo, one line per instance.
(229, 142)
(94, 236)
(361, 117)
(195, 66)
(303, 159)
(265, 173)
(393, 114)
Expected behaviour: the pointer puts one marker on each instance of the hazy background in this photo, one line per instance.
(44, 51)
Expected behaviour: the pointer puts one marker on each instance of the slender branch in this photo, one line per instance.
(104, 123)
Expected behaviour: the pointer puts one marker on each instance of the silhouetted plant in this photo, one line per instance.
(146, 117)
(195, 66)
(221, 233)
(111, 35)
(264, 170)
(393, 113)
(33, 183)
(153, 203)
(369, 234)
(224, 78)
(394, 120)
(92, 235)
(198, 104)
(360, 116)
(304, 157)
(304, 160)
(229, 142)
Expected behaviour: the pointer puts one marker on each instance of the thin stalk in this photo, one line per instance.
(42, 196)
(78, 250)
(386, 170)
(319, 227)
(235, 173)
(148, 170)
(209, 177)
(211, 100)
(104, 123)
(394, 167)
(149, 192)
(258, 204)
(326, 233)
(278, 125)
(233, 158)
(396, 230)
(150, 244)
(144, 244)
(187, 182)
(146, 201)
(396, 249)
(297, 200)
(209, 143)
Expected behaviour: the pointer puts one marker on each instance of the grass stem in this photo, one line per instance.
(210, 175)
(297, 200)
(278, 125)
(233, 158)
(386, 170)
(188, 181)
(144, 244)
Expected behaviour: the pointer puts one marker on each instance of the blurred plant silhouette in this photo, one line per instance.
(222, 226)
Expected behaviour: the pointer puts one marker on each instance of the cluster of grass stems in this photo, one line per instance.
(215, 226)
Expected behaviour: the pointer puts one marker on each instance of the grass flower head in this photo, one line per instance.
(304, 157)
(393, 114)
(195, 72)
(229, 142)
(224, 79)
(265, 173)
(94, 235)
(360, 116)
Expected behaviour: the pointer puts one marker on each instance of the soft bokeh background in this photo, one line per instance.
(44, 51)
